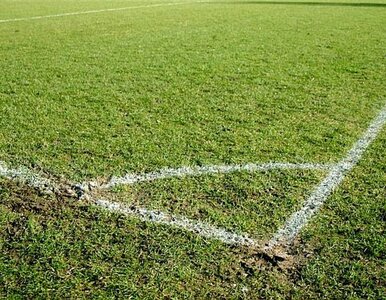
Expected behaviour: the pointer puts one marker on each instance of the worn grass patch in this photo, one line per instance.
(54, 248)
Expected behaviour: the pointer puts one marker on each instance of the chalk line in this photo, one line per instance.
(201, 228)
(45, 185)
(28, 177)
(211, 169)
(285, 235)
(198, 227)
(95, 11)
(22, 174)
(299, 219)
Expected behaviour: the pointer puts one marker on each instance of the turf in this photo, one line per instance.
(257, 204)
(60, 248)
(102, 94)
(95, 95)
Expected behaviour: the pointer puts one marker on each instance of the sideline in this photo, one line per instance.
(95, 11)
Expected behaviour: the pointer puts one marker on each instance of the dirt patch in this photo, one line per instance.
(25, 200)
(287, 262)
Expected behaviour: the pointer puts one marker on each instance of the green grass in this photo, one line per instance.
(240, 202)
(10, 9)
(138, 90)
(95, 95)
(55, 248)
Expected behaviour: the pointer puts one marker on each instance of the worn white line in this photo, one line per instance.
(45, 185)
(95, 11)
(284, 235)
(24, 175)
(300, 218)
(198, 227)
(211, 169)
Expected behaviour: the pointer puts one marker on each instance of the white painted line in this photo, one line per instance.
(300, 218)
(95, 11)
(212, 169)
(44, 185)
(22, 174)
(284, 235)
(198, 227)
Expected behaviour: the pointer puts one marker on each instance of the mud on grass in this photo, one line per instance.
(57, 246)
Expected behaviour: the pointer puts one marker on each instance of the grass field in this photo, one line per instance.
(95, 90)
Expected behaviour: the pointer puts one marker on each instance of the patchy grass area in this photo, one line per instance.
(54, 247)
(94, 95)
(60, 248)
